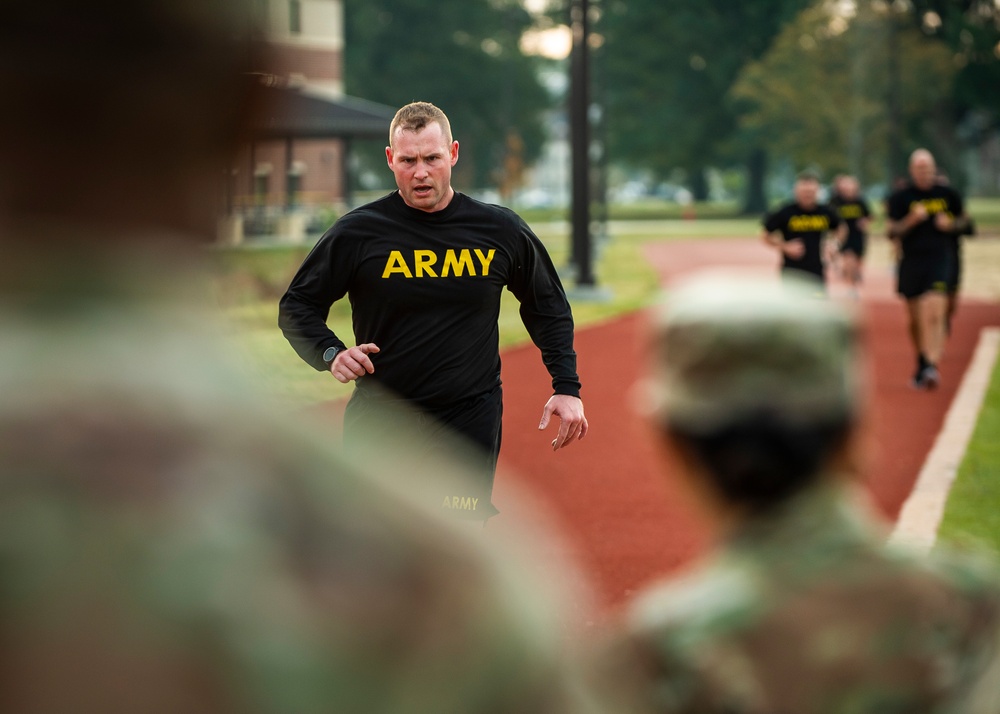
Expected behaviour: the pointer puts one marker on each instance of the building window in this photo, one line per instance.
(295, 16)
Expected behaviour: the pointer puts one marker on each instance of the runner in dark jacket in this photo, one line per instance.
(424, 269)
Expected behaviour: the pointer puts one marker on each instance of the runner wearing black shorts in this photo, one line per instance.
(854, 211)
(921, 217)
(964, 226)
(798, 230)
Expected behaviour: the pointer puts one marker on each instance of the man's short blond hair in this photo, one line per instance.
(417, 115)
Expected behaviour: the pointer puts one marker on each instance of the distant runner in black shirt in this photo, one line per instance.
(853, 210)
(922, 216)
(799, 229)
(424, 269)
(964, 226)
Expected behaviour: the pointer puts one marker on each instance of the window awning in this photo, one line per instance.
(304, 112)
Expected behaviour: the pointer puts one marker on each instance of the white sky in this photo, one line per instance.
(554, 42)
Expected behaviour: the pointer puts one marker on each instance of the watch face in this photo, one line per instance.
(329, 354)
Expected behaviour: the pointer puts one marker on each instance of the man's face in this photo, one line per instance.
(923, 171)
(805, 192)
(421, 161)
(847, 188)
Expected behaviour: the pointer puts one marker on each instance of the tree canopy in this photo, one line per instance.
(818, 97)
(971, 29)
(719, 82)
(464, 56)
(692, 84)
(666, 90)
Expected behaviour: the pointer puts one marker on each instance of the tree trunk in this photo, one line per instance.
(756, 200)
(698, 184)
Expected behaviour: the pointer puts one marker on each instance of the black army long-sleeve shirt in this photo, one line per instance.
(425, 287)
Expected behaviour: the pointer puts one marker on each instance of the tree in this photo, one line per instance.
(971, 29)
(666, 89)
(818, 97)
(462, 55)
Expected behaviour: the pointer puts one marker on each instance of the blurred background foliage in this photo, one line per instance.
(687, 87)
(463, 56)
(811, 84)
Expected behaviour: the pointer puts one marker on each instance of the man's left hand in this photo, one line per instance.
(944, 222)
(573, 424)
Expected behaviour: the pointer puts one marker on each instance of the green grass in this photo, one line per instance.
(271, 362)
(646, 210)
(250, 281)
(986, 213)
(972, 515)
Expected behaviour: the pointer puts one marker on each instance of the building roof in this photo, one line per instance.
(310, 112)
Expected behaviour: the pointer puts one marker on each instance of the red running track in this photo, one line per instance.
(616, 493)
(616, 496)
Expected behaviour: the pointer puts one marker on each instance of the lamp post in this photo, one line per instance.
(893, 101)
(579, 110)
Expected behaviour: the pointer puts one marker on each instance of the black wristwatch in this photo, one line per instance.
(330, 354)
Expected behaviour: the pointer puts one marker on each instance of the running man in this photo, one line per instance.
(854, 211)
(424, 268)
(964, 226)
(800, 230)
(922, 216)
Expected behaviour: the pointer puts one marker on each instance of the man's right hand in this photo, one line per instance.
(944, 222)
(794, 248)
(353, 363)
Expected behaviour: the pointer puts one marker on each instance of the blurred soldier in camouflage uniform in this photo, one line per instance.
(801, 608)
(166, 543)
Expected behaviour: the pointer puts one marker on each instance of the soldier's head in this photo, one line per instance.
(122, 111)
(421, 154)
(806, 189)
(847, 187)
(923, 169)
(756, 382)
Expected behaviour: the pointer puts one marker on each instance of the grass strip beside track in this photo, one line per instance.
(972, 516)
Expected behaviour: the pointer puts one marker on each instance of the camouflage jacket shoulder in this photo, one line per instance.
(807, 610)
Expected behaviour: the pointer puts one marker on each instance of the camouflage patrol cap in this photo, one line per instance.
(730, 345)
